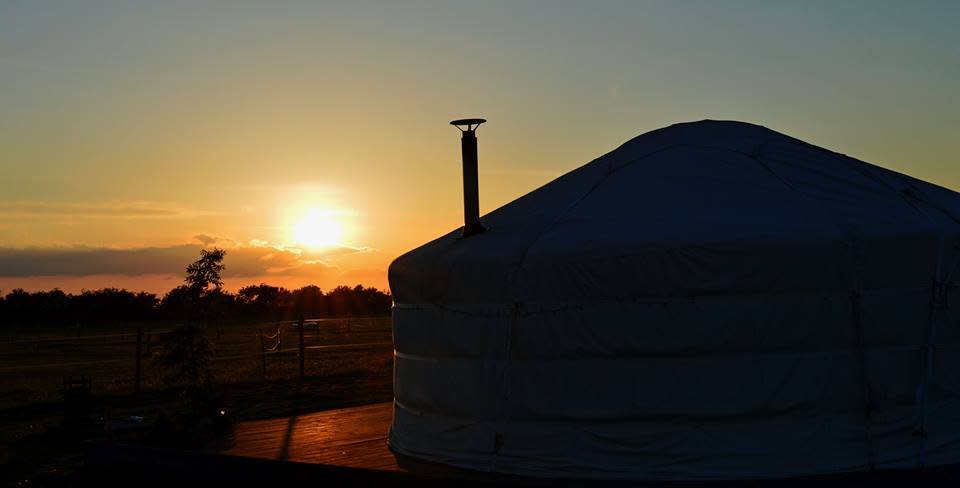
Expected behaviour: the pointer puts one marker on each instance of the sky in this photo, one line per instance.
(311, 140)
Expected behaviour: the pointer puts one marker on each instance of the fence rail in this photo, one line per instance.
(122, 360)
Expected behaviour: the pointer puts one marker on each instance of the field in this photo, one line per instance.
(346, 362)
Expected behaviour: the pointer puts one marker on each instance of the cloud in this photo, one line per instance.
(208, 240)
(205, 239)
(241, 261)
(93, 210)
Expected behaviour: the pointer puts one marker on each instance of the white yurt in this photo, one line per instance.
(711, 300)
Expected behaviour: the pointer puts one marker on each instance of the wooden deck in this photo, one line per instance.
(347, 445)
(353, 437)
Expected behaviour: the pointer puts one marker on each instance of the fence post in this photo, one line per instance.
(300, 327)
(136, 381)
(263, 354)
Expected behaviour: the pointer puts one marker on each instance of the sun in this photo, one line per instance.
(318, 229)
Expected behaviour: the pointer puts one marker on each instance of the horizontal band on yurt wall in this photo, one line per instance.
(680, 326)
(738, 448)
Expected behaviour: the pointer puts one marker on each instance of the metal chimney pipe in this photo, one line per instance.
(471, 186)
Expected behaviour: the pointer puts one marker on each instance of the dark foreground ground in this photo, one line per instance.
(350, 363)
(349, 446)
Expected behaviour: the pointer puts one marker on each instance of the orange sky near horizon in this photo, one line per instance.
(311, 139)
(162, 283)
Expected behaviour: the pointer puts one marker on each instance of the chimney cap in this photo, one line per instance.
(471, 124)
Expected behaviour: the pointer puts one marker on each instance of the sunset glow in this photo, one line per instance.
(318, 229)
(323, 127)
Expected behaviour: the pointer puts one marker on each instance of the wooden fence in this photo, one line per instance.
(125, 357)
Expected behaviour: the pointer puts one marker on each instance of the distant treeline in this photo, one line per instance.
(252, 303)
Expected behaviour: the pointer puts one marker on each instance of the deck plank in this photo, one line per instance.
(354, 437)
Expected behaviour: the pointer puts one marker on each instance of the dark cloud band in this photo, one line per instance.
(78, 261)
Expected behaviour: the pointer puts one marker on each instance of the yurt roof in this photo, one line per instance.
(717, 195)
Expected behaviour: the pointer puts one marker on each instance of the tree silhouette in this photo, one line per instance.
(263, 301)
(204, 272)
(184, 355)
(201, 299)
